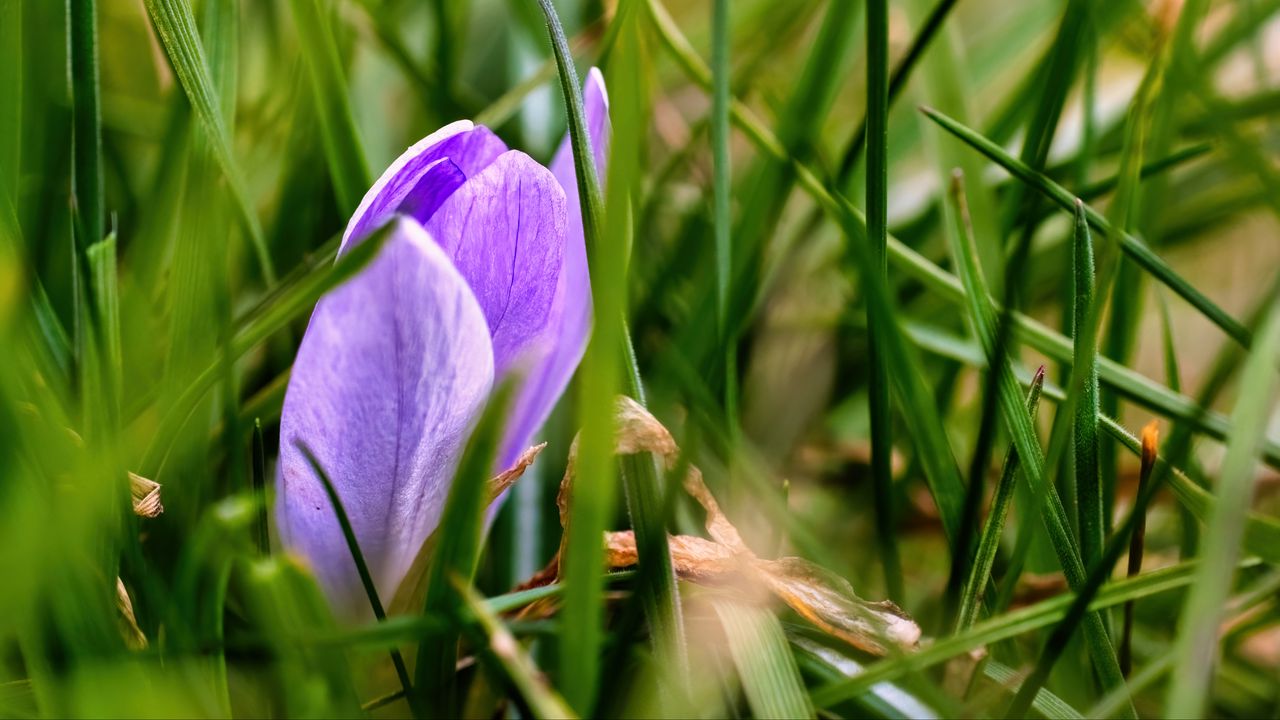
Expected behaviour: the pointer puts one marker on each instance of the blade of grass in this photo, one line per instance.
(105, 287)
(877, 203)
(766, 668)
(366, 579)
(722, 188)
(342, 147)
(1084, 365)
(512, 659)
(581, 640)
(175, 25)
(983, 319)
(82, 20)
(1010, 624)
(979, 573)
(1132, 247)
(262, 535)
(1202, 612)
(460, 536)
(1099, 572)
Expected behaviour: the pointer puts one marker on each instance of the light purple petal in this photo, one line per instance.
(416, 182)
(504, 230)
(391, 374)
(547, 381)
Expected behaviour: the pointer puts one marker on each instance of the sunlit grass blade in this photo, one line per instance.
(982, 318)
(1198, 627)
(1132, 247)
(979, 571)
(877, 203)
(496, 642)
(763, 659)
(342, 146)
(362, 568)
(460, 536)
(176, 26)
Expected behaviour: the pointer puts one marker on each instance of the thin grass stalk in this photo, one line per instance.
(877, 203)
(362, 568)
(1136, 543)
(979, 573)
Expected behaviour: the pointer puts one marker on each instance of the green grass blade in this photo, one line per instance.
(983, 319)
(1010, 624)
(342, 147)
(1202, 612)
(979, 574)
(176, 26)
(506, 652)
(722, 188)
(104, 283)
(460, 536)
(1084, 365)
(1132, 247)
(87, 122)
(877, 203)
(762, 656)
(362, 568)
(258, 478)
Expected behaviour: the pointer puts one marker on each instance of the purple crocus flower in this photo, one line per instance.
(484, 274)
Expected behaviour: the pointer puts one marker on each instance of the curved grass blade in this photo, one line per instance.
(1198, 627)
(342, 146)
(1132, 247)
(983, 319)
(1084, 366)
(175, 25)
(357, 557)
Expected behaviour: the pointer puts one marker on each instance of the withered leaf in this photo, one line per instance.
(146, 496)
(818, 595)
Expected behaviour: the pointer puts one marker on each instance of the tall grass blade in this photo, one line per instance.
(722, 187)
(982, 317)
(1084, 366)
(175, 25)
(1198, 628)
(877, 199)
(342, 147)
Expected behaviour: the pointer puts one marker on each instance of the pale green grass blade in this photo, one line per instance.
(760, 652)
(104, 284)
(342, 147)
(176, 26)
(1202, 612)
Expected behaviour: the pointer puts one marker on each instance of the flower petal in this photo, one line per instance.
(417, 172)
(504, 230)
(391, 374)
(547, 381)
